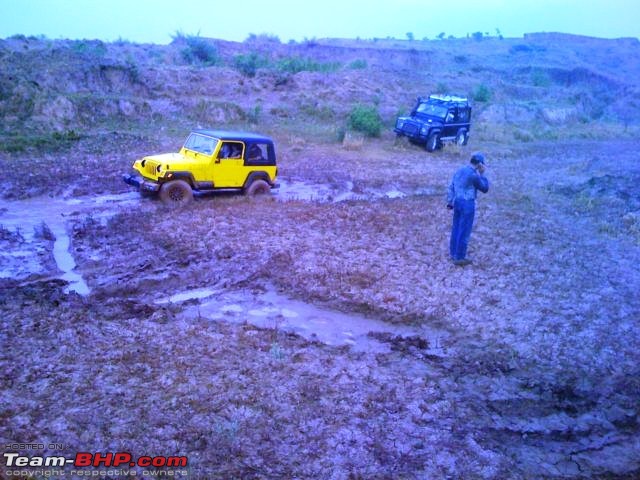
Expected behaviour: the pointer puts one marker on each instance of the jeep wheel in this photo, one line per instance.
(176, 192)
(257, 187)
(433, 142)
(462, 137)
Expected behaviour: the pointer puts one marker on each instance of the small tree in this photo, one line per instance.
(366, 120)
(410, 36)
(482, 93)
(441, 35)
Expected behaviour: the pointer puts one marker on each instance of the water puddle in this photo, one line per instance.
(195, 294)
(298, 190)
(273, 310)
(24, 218)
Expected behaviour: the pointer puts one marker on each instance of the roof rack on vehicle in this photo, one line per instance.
(448, 98)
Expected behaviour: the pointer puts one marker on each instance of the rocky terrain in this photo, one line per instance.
(204, 330)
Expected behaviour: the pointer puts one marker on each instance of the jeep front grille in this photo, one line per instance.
(150, 168)
(411, 128)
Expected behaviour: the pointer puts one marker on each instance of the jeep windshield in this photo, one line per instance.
(201, 143)
(432, 110)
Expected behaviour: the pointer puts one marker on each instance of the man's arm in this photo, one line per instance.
(451, 192)
(481, 182)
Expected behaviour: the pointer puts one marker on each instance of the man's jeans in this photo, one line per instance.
(463, 213)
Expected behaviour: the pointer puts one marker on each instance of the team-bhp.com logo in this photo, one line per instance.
(86, 459)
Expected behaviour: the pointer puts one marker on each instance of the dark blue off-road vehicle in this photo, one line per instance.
(437, 119)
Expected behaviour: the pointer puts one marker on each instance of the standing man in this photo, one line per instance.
(461, 197)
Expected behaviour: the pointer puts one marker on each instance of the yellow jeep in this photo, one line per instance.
(209, 160)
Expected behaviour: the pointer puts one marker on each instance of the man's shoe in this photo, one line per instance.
(462, 262)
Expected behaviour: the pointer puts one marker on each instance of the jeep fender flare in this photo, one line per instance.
(186, 176)
(253, 176)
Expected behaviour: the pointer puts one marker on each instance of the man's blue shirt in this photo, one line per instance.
(465, 185)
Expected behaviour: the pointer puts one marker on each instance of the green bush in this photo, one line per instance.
(442, 87)
(262, 38)
(300, 64)
(249, 64)
(44, 142)
(366, 120)
(358, 64)
(540, 78)
(199, 51)
(482, 93)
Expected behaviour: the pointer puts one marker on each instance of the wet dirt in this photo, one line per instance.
(43, 219)
(300, 190)
(267, 308)
(242, 331)
(27, 219)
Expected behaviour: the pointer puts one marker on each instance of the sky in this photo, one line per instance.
(155, 21)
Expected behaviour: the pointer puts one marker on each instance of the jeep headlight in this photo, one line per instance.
(423, 130)
(159, 168)
(399, 124)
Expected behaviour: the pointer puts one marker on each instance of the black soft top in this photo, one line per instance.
(229, 135)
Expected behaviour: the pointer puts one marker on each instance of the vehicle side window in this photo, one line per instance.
(230, 150)
(463, 115)
(450, 117)
(257, 153)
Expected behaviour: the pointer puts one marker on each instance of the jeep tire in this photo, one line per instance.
(257, 187)
(433, 142)
(176, 192)
(462, 137)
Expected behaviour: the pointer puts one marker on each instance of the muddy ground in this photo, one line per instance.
(523, 365)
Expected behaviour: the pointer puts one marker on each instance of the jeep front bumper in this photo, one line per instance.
(141, 183)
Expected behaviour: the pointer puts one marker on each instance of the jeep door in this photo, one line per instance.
(228, 171)
(198, 150)
(450, 128)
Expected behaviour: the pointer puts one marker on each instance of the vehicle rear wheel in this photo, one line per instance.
(176, 192)
(462, 137)
(257, 187)
(433, 142)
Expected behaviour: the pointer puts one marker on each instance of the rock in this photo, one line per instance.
(558, 116)
(126, 108)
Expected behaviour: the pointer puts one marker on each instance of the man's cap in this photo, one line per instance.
(477, 158)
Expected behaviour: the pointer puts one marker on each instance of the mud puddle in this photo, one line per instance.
(298, 190)
(270, 309)
(36, 222)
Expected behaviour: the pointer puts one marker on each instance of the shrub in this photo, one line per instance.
(198, 50)
(263, 38)
(366, 120)
(477, 36)
(540, 78)
(89, 48)
(299, 64)
(249, 64)
(442, 87)
(482, 93)
(358, 64)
